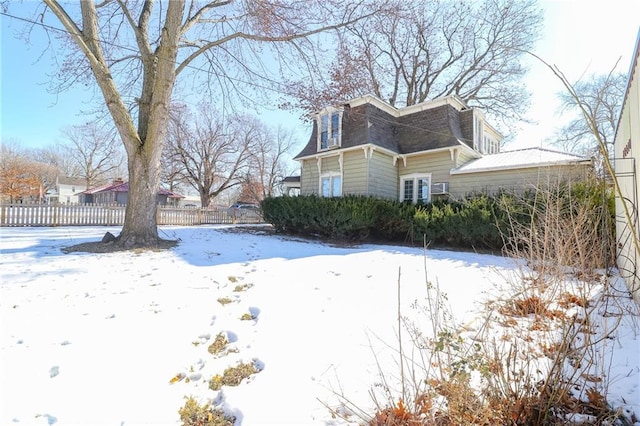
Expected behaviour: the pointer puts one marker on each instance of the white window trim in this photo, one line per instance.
(329, 112)
(414, 177)
(331, 176)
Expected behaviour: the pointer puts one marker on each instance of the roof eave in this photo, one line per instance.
(521, 166)
(332, 152)
(460, 144)
(635, 59)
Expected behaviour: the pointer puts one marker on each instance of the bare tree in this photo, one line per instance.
(95, 151)
(267, 163)
(601, 95)
(47, 177)
(57, 156)
(173, 176)
(136, 50)
(424, 50)
(212, 152)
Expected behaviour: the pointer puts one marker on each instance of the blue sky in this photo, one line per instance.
(581, 37)
(30, 114)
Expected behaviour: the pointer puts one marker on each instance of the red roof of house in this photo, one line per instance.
(97, 189)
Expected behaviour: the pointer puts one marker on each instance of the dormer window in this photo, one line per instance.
(478, 133)
(483, 141)
(329, 134)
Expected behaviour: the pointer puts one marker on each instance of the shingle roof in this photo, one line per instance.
(72, 180)
(427, 126)
(519, 159)
(291, 179)
(430, 129)
(97, 189)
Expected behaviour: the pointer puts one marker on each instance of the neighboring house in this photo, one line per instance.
(291, 185)
(627, 149)
(192, 201)
(66, 190)
(437, 148)
(117, 192)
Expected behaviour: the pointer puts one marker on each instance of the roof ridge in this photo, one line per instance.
(539, 148)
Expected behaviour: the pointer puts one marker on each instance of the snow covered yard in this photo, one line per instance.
(122, 338)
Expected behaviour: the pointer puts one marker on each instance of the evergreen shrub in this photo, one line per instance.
(479, 221)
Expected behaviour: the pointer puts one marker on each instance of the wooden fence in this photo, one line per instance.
(97, 214)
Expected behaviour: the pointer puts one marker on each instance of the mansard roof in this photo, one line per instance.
(441, 123)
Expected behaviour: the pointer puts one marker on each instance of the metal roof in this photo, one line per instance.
(520, 159)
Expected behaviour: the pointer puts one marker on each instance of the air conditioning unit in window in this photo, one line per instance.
(440, 188)
(333, 143)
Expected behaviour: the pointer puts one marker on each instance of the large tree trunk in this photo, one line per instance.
(145, 141)
(144, 75)
(140, 223)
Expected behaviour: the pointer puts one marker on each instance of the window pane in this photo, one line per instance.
(335, 125)
(408, 190)
(324, 131)
(336, 186)
(423, 190)
(326, 187)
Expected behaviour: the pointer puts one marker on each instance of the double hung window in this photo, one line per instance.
(331, 185)
(329, 126)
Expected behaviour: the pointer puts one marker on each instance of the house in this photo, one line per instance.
(117, 192)
(439, 148)
(626, 148)
(66, 190)
(190, 201)
(291, 185)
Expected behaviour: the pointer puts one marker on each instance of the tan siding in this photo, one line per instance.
(439, 164)
(330, 164)
(354, 179)
(376, 176)
(512, 180)
(463, 158)
(309, 177)
(383, 176)
(310, 180)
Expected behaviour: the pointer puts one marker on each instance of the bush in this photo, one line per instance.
(479, 221)
(469, 223)
(345, 218)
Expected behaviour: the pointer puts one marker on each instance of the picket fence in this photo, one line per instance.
(112, 215)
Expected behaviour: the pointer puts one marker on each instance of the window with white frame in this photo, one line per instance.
(490, 145)
(331, 184)
(415, 188)
(482, 141)
(478, 133)
(329, 129)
